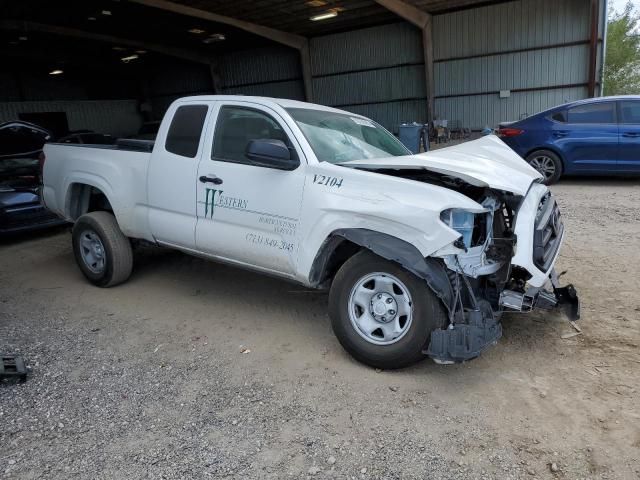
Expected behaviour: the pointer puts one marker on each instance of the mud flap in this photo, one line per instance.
(465, 341)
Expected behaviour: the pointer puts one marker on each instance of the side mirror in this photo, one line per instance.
(271, 153)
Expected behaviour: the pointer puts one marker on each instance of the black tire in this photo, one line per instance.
(555, 159)
(428, 314)
(118, 255)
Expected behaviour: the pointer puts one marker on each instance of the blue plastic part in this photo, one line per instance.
(462, 222)
(409, 135)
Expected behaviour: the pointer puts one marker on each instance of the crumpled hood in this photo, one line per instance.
(486, 162)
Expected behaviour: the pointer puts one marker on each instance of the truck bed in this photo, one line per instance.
(118, 171)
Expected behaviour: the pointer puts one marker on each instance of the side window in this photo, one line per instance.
(560, 116)
(237, 126)
(184, 133)
(630, 112)
(602, 112)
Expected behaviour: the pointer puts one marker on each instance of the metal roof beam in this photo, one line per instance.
(298, 42)
(99, 37)
(423, 21)
(411, 14)
(285, 38)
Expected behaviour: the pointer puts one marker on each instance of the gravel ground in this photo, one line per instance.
(196, 370)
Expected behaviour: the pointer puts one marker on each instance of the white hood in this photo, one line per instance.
(486, 162)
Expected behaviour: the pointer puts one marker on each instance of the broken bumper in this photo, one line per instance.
(465, 341)
(481, 329)
(563, 298)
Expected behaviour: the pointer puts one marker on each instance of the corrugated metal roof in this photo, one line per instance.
(479, 111)
(391, 115)
(292, 89)
(116, 117)
(532, 69)
(510, 26)
(185, 78)
(371, 86)
(388, 45)
(260, 65)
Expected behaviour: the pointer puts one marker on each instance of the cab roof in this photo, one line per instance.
(269, 101)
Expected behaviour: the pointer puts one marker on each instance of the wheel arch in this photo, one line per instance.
(342, 244)
(84, 197)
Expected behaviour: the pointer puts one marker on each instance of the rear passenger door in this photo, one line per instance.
(249, 214)
(589, 138)
(629, 144)
(172, 174)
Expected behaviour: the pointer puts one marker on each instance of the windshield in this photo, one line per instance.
(338, 137)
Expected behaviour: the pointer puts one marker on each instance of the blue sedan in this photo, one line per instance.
(598, 136)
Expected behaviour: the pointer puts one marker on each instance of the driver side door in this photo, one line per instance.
(248, 214)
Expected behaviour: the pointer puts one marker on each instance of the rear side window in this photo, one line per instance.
(592, 113)
(185, 130)
(630, 112)
(560, 116)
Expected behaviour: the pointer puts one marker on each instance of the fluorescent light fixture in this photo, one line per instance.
(23, 38)
(197, 31)
(56, 72)
(129, 58)
(106, 12)
(215, 37)
(316, 3)
(91, 18)
(324, 16)
(119, 49)
(141, 52)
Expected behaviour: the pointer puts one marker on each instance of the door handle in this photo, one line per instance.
(631, 134)
(212, 179)
(560, 133)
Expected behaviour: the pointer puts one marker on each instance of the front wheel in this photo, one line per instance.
(102, 251)
(382, 314)
(548, 164)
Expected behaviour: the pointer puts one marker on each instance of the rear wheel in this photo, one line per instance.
(102, 251)
(548, 164)
(382, 314)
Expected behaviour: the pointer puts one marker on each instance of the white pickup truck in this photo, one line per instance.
(421, 253)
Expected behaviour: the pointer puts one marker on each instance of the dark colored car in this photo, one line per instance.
(598, 136)
(88, 137)
(20, 155)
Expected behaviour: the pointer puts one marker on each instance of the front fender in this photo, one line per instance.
(405, 209)
(390, 248)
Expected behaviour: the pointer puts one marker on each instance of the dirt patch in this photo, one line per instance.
(149, 379)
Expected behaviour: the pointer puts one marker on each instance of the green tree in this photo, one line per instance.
(622, 60)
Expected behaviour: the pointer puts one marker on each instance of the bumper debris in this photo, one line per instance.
(13, 367)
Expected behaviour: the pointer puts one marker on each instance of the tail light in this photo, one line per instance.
(509, 132)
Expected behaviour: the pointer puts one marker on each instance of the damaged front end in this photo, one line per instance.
(491, 272)
(505, 247)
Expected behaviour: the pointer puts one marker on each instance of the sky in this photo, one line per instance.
(619, 4)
